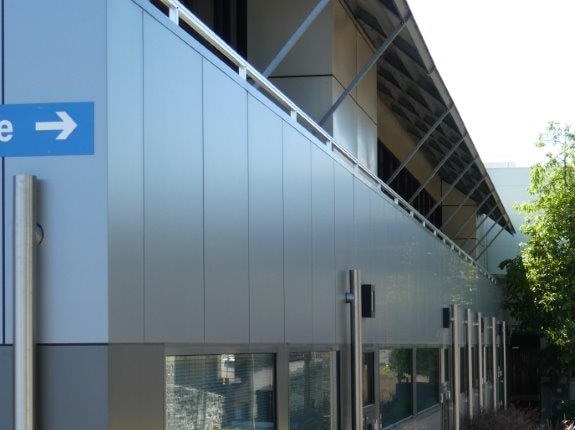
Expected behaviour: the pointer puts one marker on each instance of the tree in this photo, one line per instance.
(540, 291)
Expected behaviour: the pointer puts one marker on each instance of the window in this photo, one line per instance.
(395, 385)
(310, 391)
(475, 364)
(225, 391)
(463, 369)
(368, 378)
(427, 377)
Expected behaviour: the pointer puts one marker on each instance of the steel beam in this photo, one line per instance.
(494, 360)
(490, 242)
(474, 214)
(287, 47)
(456, 365)
(439, 166)
(504, 347)
(419, 145)
(452, 187)
(485, 235)
(469, 347)
(480, 359)
(465, 201)
(353, 297)
(24, 303)
(360, 75)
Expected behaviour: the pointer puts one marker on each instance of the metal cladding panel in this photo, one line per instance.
(125, 172)
(173, 191)
(323, 250)
(73, 387)
(136, 391)
(227, 299)
(370, 254)
(266, 241)
(6, 388)
(297, 237)
(343, 241)
(62, 60)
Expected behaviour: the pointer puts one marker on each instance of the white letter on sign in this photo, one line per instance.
(6, 131)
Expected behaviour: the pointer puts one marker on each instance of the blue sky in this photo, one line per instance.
(509, 66)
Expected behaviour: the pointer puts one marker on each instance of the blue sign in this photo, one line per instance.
(28, 130)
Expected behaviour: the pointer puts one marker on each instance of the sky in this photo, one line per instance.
(509, 66)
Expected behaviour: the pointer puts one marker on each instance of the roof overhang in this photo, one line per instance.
(410, 85)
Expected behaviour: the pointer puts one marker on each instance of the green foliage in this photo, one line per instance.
(540, 291)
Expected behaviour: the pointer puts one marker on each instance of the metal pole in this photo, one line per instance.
(480, 358)
(456, 365)
(490, 242)
(450, 189)
(477, 226)
(504, 345)
(353, 297)
(469, 364)
(464, 201)
(24, 302)
(417, 147)
(287, 47)
(474, 214)
(494, 359)
(485, 235)
(376, 55)
(439, 166)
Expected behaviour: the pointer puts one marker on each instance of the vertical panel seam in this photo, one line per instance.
(312, 242)
(204, 193)
(248, 217)
(284, 230)
(3, 190)
(143, 179)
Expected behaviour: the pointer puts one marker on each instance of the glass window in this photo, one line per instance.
(427, 377)
(310, 390)
(475, 363)
(225, 391)
(463, 369)
(395, 385)
(488, 364)
(368, 378)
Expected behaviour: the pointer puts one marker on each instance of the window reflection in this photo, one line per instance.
(310, 391)
(225, 391)
(395, 385)
(427, 377)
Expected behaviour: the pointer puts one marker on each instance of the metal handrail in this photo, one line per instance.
(177, 12)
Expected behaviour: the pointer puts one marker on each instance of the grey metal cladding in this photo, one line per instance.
(125, 172)
(323, 246)
(226, 208)
(62, 60)
(136, 391)
(265, 223)
(73, 387)
(297, 237)
(6, 388)
(343, 242)
(173, 188)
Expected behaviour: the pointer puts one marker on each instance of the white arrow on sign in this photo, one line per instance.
(66, 125)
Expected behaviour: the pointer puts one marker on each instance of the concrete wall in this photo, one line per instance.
(511, 184)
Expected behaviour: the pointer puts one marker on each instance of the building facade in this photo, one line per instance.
(193, 271)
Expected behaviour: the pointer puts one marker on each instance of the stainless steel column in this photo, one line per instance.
(494, 359)
(24, 302)
(480, 359)
(456, 365)
(504, 346)
(470, 399)
(353, 297)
